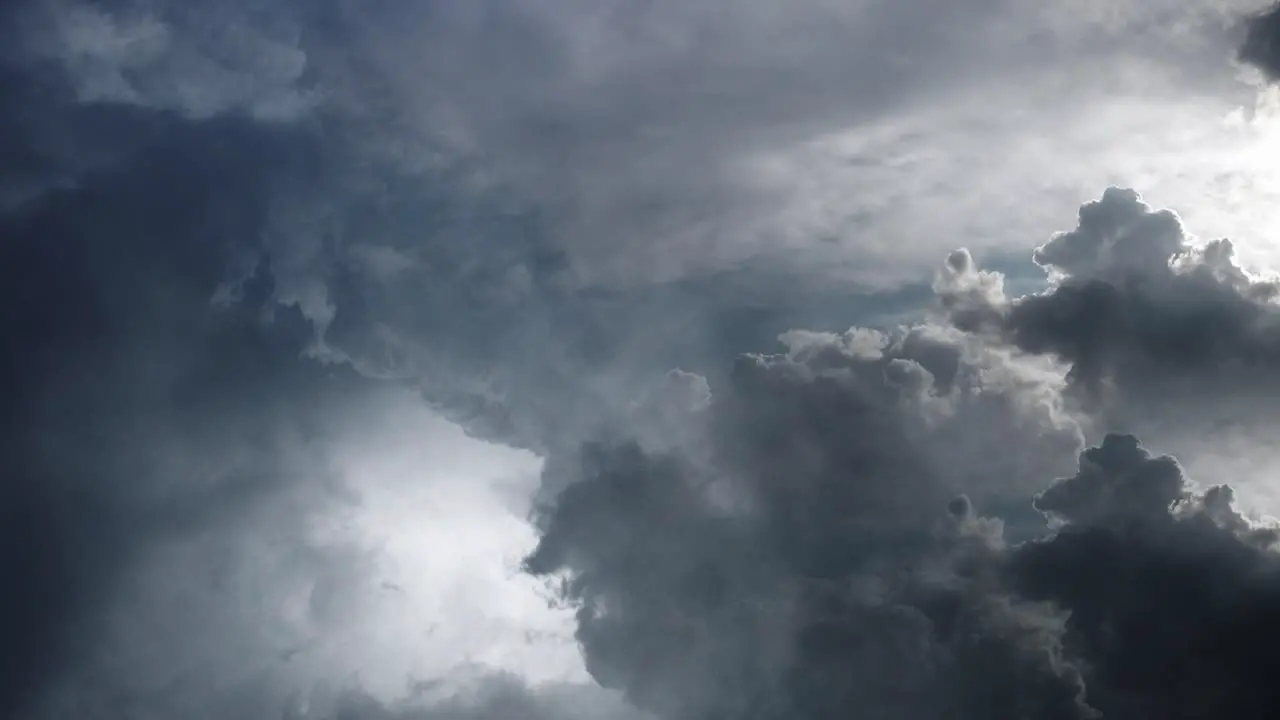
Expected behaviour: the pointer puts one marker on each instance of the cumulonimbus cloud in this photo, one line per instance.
(815, 553)
(222, 224)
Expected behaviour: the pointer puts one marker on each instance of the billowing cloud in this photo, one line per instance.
(814, 562)
(1170, 591)
(829, 539)
(272, 276)
(802, 565)
(1133, 302)
(1149, 321)
(202, 513)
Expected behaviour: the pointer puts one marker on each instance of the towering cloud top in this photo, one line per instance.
(1133, 305)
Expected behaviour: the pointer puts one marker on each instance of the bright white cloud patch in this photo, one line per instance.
(399, 574)
(445, 519)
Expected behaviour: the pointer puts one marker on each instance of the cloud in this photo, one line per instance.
(242, 242)
(845, 528)
(195, 509)
(494, 698)
(1169, 589)
(201, 62)
(801, 565)
(1149, 321)
(1259, 46)
(132, 411)
(800, 135)
(1133, 302)
(783, 127)
(819, 565)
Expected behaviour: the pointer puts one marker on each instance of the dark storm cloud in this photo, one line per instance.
(159, 394)
(814, 560)
(1261, 47)
(134, 410)
(818, 546)
(221, 223)
(1135, 309)
(191, 297)
(180, 353)
(1170, 590)
(1161, 335)
(1172, 594)
(164, 393)
(815, 567)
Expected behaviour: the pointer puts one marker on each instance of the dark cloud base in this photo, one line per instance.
(1151, 599)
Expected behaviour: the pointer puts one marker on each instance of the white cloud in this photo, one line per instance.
(409, 575)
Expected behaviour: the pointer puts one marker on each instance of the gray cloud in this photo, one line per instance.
(583, 112)
(133, 412)
(817, 547)
(172, 438)
(1259, 47)
(237, 237)
(1134, 304)
(1149, 322)
(1171, 592)
(815, 567)
(240, 57)
(809, 562)
(689, 137)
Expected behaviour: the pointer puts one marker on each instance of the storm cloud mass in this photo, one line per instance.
(638, 361)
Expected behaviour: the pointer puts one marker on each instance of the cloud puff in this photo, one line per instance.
(809, 561)
(816, 567)
(1134, 307)
(1149, 322)
(1171, 592)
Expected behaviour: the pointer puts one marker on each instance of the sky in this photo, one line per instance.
(639, 359)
